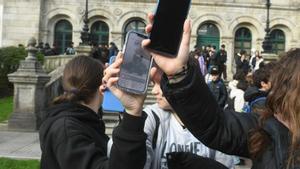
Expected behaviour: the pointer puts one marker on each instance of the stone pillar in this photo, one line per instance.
(29, 92)
(229, 47)
(117, 38)
(83, 50)
(269, 57)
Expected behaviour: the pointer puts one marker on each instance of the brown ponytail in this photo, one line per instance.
(81, 79)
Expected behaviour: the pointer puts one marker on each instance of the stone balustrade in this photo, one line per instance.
(53, 62)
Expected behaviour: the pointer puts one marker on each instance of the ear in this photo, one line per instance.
(101, 89)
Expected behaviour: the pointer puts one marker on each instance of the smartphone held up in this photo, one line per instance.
(137, 62)
(110, 102)
(167, 27)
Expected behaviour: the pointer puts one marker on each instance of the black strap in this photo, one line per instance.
(154, 139)
(212, 153)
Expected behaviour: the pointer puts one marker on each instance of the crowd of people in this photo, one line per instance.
(250, 82)
(100, 51)
(193, 125)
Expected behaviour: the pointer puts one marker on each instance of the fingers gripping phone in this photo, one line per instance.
(110, 102)
(134, 73)
(167, 27)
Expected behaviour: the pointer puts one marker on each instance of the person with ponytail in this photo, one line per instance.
(270, 138)
(72, 134)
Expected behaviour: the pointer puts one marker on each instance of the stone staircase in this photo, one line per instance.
(111, 120)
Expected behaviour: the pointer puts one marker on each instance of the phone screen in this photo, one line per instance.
(134, 74)
(168, 23)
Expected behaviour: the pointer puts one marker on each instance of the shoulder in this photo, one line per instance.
(66, 127)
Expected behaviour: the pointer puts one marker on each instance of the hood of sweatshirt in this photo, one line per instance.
(73, 110)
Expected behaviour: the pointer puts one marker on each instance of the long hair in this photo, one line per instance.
(283, 100)
(81, 79)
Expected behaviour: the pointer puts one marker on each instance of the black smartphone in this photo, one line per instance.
(167, 27)
(137, 62)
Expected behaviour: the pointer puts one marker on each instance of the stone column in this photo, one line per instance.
(83, 50)
(269, 57)
(29, 92)
(230, 64)
(117, 38)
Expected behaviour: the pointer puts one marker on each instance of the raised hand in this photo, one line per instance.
(169, 65)
(133, 103)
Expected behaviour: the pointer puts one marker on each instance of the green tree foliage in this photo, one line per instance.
(10, 58)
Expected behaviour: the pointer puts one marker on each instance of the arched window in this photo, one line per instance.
(278, 41)
(243, 40)
(136, 25)
(63, 35)
(208, 34)
(100, 33)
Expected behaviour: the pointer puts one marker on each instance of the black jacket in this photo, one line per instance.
(226, 131)
(242, 65)
(73, 137)
(222, 56)
(219, 91)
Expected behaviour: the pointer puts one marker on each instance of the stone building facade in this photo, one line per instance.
(239, 24)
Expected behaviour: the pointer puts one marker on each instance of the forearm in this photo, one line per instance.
(198, 110)
(129, 147)
(190, 96)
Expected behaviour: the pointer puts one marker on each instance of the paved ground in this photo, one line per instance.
(25, 145)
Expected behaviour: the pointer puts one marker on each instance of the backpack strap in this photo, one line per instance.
(157, 123)
(212, 153)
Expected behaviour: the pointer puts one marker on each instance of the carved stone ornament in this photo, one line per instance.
(118, 12)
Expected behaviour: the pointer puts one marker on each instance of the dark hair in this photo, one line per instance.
(214, 47)
(263, 74)
(282, 100)
(243, 52)
(81, 79)
(239, 75)
(222, 46)
(242, 84)
(260, 75)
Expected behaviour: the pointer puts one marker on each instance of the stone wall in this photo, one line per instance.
(1, 21)
(25, 18)
(21, 20)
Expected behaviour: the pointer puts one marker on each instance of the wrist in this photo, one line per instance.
(137, 112)
(179, 75)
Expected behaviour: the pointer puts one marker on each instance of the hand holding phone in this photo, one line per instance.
(169, 65)
(132, 103)
(167, 27)
(110, 102)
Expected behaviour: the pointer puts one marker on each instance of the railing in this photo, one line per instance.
(54, 87)
(55, 65)
(53, 62)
